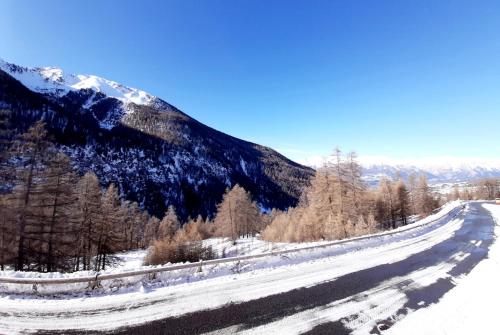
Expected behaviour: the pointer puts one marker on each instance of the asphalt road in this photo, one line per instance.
(478, 226)
(256, 314)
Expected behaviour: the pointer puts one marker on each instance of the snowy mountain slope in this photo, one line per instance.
(53, 81)
(155, 153)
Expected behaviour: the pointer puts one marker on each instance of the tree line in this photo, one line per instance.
(484, 189)
(237, 216)
(53, 220)
(338, 204)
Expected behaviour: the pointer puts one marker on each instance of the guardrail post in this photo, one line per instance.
(152, 276)
(201, 264)
(95, 283)
(35, 288)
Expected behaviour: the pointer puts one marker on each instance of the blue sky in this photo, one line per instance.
(393, 78)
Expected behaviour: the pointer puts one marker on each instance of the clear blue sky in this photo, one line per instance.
(395, 78)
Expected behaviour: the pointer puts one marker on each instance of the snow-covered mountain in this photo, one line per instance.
(56, 84)
(437, 169)
(54, 81)
(157, 155)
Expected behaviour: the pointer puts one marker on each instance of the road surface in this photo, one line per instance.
(365, 291)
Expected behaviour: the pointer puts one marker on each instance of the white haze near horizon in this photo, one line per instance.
(424, 163)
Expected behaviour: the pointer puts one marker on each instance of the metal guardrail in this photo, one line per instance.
(94, 280)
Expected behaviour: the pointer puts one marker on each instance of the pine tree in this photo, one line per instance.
(108, 232)
(349, 192)
(151, 230)
(330, 208)
(140, 229)
(321, 217)
(425, 202)
(131, 225)
(6, 173)
(386, 195)
(402, 201)
(356, 184)
(33, 151)
(8, 235)
(237, 215)
(89, 209)
(412, 189)
(196, 229)
(487, 188)
(7, 230)
(285, 227)
(340, 172)
(169, 224)
(59, 223)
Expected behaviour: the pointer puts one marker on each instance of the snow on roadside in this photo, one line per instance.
(221, 284)
(470, 307)
(224, 247)
(254, 245)
(251, 246)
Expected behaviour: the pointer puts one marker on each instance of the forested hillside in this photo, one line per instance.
(155, 154)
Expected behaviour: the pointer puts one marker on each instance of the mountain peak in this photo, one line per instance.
(56, 82)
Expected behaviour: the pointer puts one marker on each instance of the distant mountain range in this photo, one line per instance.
(155, 153)
(437, 169)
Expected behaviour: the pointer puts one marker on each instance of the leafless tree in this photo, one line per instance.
(237, 215)
(169, 224)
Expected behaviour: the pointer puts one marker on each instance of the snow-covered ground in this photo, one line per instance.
(132, 260)
(469, 308)
(249, 282)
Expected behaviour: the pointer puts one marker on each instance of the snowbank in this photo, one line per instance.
(470, 307)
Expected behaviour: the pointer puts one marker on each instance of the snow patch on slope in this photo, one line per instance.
(243, 165)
